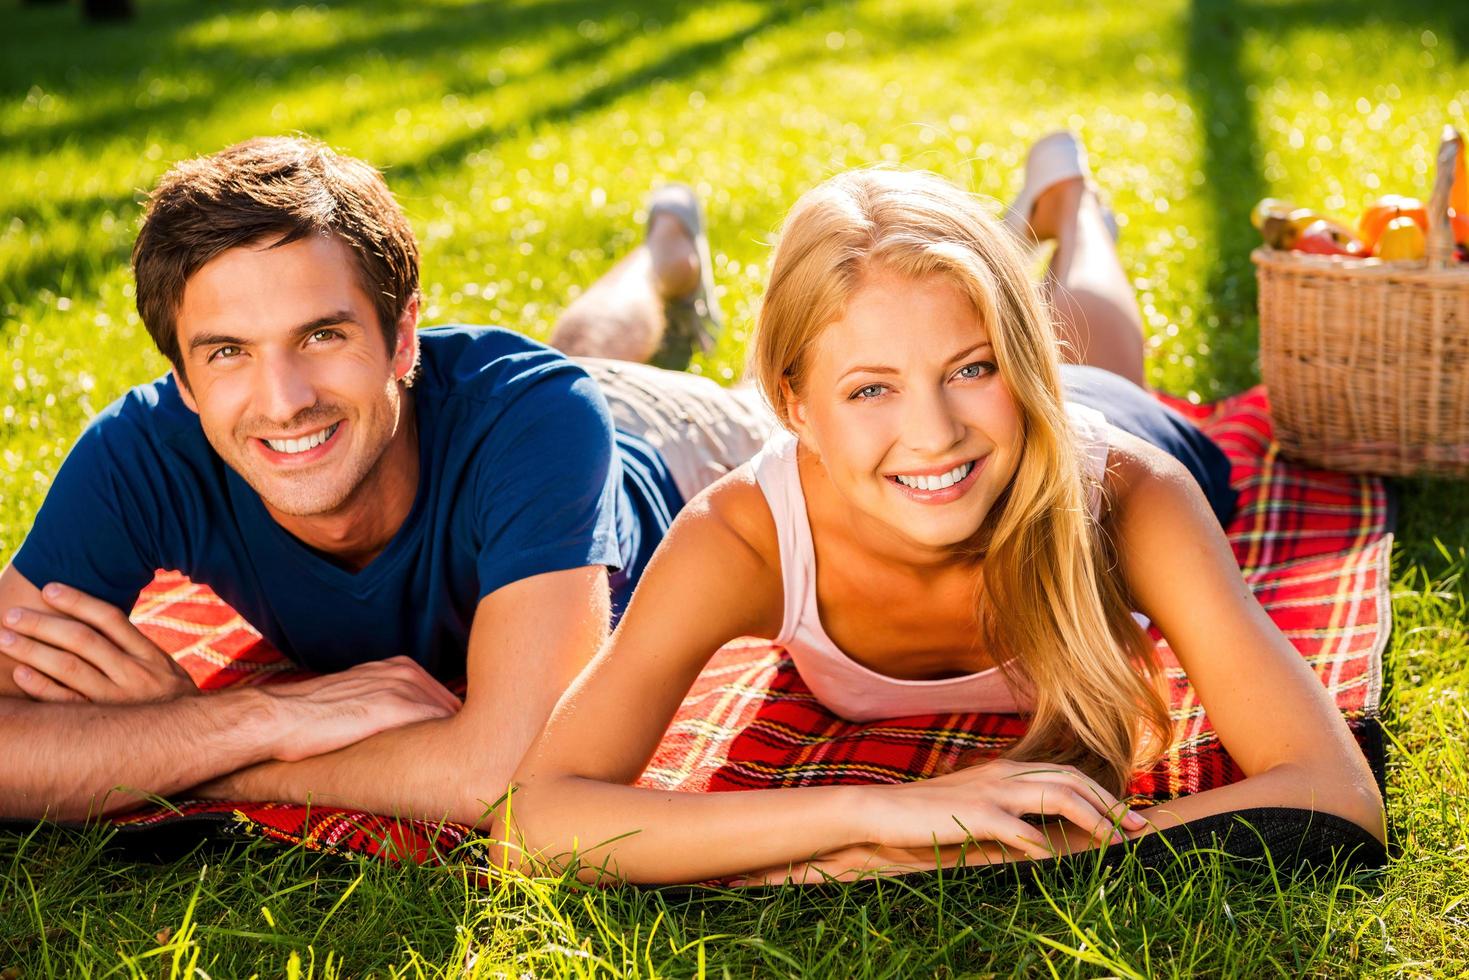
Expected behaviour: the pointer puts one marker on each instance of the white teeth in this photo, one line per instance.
(293, 446)
(936, 482)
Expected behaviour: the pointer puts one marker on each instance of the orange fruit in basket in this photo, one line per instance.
(1375, 219)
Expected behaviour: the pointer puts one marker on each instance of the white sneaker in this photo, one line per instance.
(1053, 158)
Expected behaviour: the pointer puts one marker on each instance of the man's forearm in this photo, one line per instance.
(65, 759)
(68, 762)
(434, 770)
(529, 639)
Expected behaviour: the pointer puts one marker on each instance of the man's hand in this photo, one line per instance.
(75, 760)
(528, 641)
(334, 711)
(340, 709)
(87, 650)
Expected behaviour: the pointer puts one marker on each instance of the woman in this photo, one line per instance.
(942, 525)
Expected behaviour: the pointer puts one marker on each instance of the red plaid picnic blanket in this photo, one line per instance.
(1313, 544)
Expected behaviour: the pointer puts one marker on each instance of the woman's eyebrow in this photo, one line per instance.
(969, 351)
(869, 369)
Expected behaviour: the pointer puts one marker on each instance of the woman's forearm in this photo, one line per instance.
(1352, 796)
(658, 837)
(1288, 785)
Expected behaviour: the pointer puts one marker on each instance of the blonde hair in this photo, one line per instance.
(1066, 631)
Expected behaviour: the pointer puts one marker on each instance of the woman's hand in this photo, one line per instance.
(986, 803)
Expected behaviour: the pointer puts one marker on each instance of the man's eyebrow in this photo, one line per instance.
(213, 340)
(310, 326)
(329, 320)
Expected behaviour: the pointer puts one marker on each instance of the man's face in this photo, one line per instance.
(288, 370)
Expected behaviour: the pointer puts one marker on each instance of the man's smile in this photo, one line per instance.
(298, 449)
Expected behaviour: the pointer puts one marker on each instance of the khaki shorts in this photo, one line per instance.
(701, 430)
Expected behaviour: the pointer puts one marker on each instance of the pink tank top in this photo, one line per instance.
(843, 685)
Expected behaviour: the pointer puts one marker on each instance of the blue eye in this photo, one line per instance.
(978, 369)
(867, 392)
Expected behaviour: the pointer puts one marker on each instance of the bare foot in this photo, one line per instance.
(1056, 205)
(675, 258)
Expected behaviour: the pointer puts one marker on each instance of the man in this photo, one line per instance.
(391, 508)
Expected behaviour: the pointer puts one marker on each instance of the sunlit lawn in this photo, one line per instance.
(522, 138)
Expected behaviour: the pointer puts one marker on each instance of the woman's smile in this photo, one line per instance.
(938, 485)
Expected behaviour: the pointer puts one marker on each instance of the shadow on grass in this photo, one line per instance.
(1449, 20)
(1233, 180)
(677, 63)
(443, 34)
(63, 269)
(103, 70)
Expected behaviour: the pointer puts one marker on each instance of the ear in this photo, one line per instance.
(184, 392)
(405, 345)
(796, 414)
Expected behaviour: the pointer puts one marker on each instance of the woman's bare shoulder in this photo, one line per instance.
(720, 556)
(734, 505)
(1134, 465)
(1148, 487)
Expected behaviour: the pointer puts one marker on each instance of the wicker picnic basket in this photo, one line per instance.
(1366, 361)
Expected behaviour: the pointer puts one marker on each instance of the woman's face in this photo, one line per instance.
(903, 406)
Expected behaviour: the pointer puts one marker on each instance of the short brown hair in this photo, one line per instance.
(286, 187)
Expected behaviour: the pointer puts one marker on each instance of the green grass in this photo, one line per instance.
(522, 138)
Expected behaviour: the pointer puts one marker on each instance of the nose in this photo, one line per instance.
(283, 388)
(930, 425)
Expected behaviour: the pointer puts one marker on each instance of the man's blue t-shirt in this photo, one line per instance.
(520, 473)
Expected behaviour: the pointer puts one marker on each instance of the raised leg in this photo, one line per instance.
(621, 315)
(1097, 316)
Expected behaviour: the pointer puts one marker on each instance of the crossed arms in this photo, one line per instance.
(124, 723)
